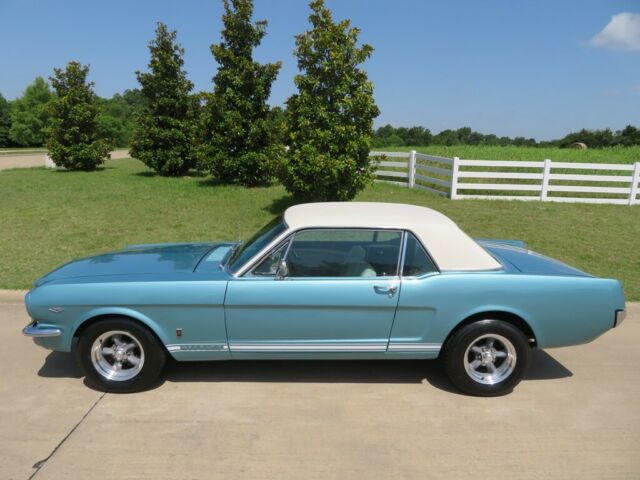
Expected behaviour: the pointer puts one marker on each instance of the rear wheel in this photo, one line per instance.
(119, 355)
(487, 358)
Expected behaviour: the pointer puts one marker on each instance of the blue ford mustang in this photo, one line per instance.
(323, 281)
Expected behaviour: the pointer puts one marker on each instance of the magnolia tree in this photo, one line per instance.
(330, 119)
(163, 136)
(241, 142)
(74, 140)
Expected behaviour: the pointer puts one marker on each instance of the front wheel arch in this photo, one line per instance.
(110, 316)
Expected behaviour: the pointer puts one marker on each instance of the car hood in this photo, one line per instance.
(143, 259)
(514, 256)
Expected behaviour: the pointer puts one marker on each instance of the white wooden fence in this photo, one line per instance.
(545, 181)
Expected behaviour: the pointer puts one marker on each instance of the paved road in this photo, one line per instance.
(37, 159)
(576, 416)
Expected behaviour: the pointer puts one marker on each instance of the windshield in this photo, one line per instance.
(261, 239)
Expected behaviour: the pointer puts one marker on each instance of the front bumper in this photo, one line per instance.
(620, 316)
(36, 331)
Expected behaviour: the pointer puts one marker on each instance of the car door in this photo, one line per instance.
(338, 297)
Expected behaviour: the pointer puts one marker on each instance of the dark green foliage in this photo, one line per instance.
(628, 136)
(30, 114)
(5, 122)
(117, 116)
(74, 141)
(389, 136)
(164, 134)
(330, 119)
(241, 141)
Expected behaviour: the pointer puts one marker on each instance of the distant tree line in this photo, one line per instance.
(389, 136)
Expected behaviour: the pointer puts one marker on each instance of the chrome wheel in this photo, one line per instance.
(117, 355)
(490, 359)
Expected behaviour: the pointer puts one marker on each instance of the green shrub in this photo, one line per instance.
(74, 142)
(330, 119)
(164, 135)
(240, 137)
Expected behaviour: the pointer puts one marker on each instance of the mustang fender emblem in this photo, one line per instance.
(56, 309)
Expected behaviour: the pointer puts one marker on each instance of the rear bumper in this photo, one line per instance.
(35, 331)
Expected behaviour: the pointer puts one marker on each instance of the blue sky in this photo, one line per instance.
(536, 68)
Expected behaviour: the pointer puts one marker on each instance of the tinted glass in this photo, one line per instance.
(261, 239)
(344, 253)
(416, 260)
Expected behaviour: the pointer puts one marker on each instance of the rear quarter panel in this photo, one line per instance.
(560, 310)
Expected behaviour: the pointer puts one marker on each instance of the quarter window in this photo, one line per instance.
(344, 253)
(416, 260)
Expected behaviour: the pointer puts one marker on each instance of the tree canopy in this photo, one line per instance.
(74, 141)
(164, 133)
(330, 119)
(30, 115)
(240, 137)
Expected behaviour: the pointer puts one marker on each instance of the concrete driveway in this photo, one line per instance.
(18, 160)
(577, 415)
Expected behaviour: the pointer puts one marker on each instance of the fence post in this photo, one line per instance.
(454, 178)
(633, 192)
(545, 180)
(412, 169)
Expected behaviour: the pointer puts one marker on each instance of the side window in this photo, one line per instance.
(416, 260)
(344, 253)
(269, 266)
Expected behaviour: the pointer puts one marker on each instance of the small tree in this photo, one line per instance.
(5, 122)
(30, 115)
(330, 119)
(74, 142)
(241, 138)
(163, 137)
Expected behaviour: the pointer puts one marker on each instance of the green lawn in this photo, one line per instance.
(481, 152)
(49, 217)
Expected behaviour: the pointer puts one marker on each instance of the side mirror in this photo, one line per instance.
(283, 271)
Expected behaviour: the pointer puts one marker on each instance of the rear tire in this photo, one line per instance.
(487, 358)
(119, 355)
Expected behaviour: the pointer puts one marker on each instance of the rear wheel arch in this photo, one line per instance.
(508, 317)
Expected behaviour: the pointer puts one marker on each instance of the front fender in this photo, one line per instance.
(122, 312)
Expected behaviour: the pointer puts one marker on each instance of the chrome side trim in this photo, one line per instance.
(306, 347)
(197, 347)
(414, 347)
(32, 330)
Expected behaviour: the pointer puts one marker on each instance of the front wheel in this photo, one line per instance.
(118, 355)
(487, 357)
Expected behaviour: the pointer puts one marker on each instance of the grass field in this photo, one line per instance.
(480, 152)
(49, 217)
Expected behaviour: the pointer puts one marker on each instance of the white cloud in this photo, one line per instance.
(621, 33)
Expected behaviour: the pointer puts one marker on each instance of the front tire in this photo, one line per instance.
(119, 355)
(487, 357)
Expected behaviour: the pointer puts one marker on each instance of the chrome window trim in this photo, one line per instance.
(255, 261)
(425, 275)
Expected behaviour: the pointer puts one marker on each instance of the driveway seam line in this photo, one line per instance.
(41, 463)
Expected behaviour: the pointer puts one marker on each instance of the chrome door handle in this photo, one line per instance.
(386, 289)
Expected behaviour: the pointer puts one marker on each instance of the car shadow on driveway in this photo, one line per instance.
(543, 367)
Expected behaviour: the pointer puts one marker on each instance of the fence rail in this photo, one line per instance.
(488, 179)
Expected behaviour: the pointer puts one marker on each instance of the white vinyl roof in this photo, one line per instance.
(450, 247)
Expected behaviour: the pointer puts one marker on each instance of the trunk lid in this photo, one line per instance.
(514, 255)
